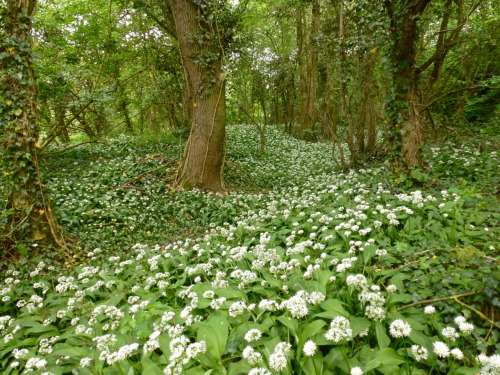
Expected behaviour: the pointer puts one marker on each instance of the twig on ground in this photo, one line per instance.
(169, 163)
(133, 187)
(407, 264)
(491, 328)
(476, 311)
(437, 300)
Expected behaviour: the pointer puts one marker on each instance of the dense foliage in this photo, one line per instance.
(310, 271)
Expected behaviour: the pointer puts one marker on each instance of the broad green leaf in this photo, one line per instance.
(382, 339)
(359, 324)
(333, 308)
(291, 324)
(310, 330)
(149, 367)
(214, 331)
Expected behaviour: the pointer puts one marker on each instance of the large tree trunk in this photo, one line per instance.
(30, 216)
(203, 159)
(407, 133)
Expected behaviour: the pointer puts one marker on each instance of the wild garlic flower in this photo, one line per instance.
(296, 305)
(429, 310)
(123, 353)
(340, 329)
(441, 349)
(399, 328)
(357, 281)
(419, 352)
(259, 371)
(35, 363)
(310, 348)
(217, 303)
(253, 357)
(253, 335)
(237, 308)
(278, 360)
(376, 313)
(457, 353)
(356, 371)
(85, 362)
(268, 305)
(466, 328)
(450, 333)
(490, 365)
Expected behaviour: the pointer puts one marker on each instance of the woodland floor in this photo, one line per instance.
(299, 268)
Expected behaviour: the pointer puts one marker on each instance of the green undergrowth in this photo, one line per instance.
(299, 269)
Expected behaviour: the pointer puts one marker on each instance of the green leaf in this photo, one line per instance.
(333, 308)
(310, 330)
(17, 111)
(291, 324)
(359, 324)
(313, 365)
(214, 331)
(149, 367)
(382, 339)
(76, 353)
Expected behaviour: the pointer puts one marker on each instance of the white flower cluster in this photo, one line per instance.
(252, 356)
(399, 329)
(340, 329)
(278, 360)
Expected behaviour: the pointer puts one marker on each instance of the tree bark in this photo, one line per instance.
(30, 216)
(308, 67)
(407, 138)
(204, 85)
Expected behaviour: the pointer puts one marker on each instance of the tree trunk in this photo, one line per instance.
(407, 133)
(203, 159)
(308, 66)
(30, 216)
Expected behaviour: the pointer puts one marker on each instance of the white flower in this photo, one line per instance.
(419, 352)
(399, 328)
(466, 327)
(429, 310)
(441, 349)
(340, 329)
(310, 348)
(253, 335)
(208, 294)
(459, 320)
(296, 305)
(237, 308)
(491, 365)
(450, 333)
(252, 356)
(259, 371)
(278, 360)
(391, 288)
(193, 349)
(457, 353)
(358, 281)
(84, 362)
(356, 371)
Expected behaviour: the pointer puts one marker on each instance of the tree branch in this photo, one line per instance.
(437, 300)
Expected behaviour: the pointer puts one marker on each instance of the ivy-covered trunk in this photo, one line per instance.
(406, 133)
(203, 159)
(29, 217)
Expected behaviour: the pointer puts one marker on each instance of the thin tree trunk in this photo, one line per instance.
(308, 66)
